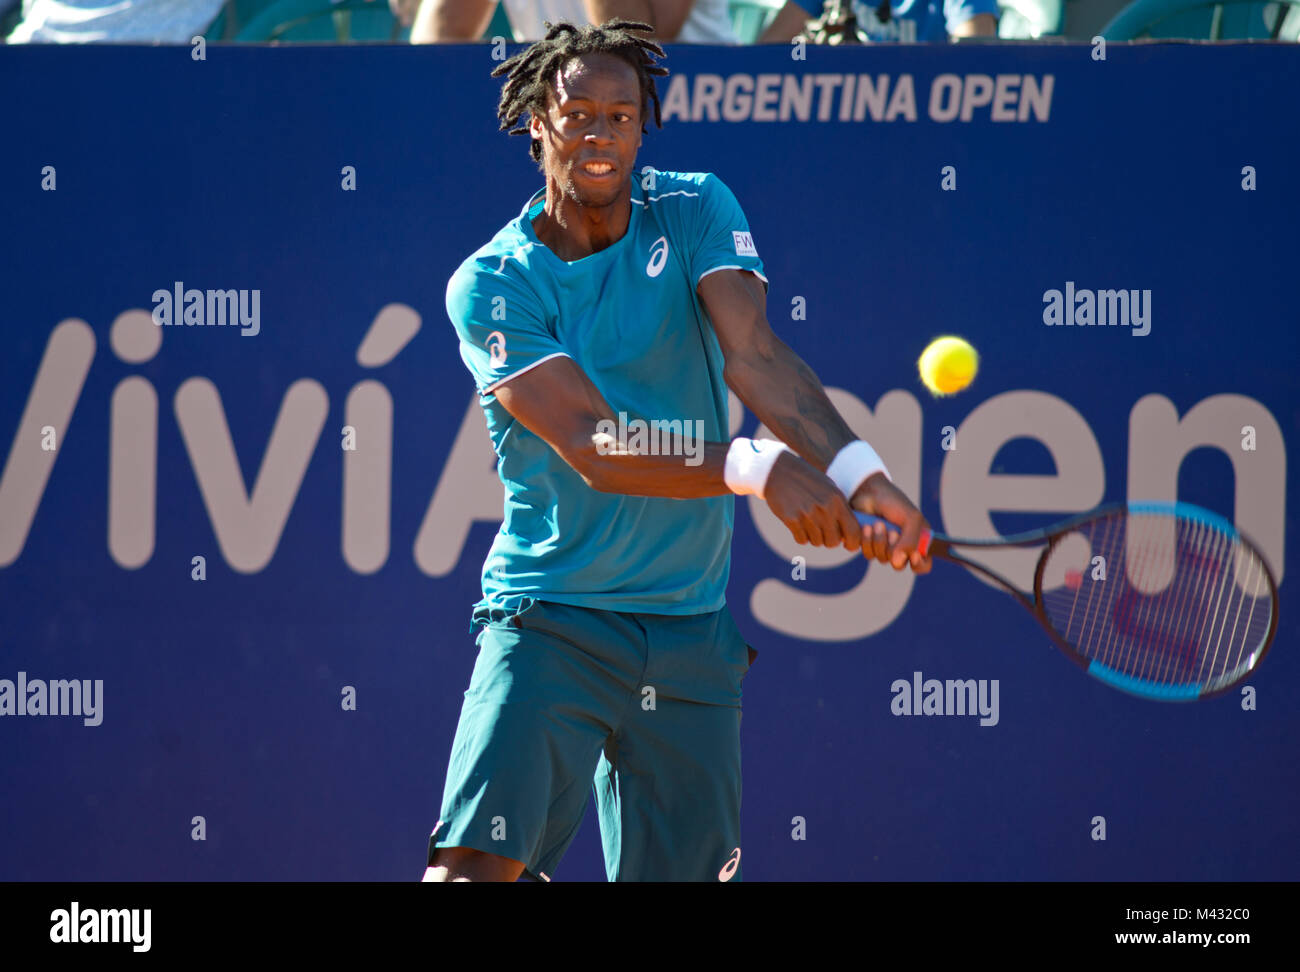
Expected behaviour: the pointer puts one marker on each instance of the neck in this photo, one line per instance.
(573, 231)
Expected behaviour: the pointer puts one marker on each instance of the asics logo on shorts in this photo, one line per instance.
(658, 257)
(729, 869)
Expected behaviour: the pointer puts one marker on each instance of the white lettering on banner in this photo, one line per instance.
(367, 478)
(469, 491)
(1159, 441)
(744, 97)
(248, 527)
(52, 401)
(969, 492)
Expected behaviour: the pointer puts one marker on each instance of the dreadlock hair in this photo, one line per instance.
(532, 71)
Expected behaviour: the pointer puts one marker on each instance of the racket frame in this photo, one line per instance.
(939, 545)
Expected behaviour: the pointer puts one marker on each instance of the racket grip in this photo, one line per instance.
(923, 547)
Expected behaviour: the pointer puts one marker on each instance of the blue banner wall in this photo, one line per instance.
(894, 193)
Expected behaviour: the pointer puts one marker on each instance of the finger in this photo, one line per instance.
(831, 535)
(907, 543)
(796, 531)
(850, 528)
(812, 529)
(869, 541)
(832, 523)
(827, 525)
(880, 542)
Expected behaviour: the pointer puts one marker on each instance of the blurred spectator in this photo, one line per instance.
(684, 21)
(113, 21)
(907, 21)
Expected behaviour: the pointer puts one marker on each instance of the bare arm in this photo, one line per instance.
(779, 387)
(789, 20)
(981, 25)
(666, 16)
(559, 403)
(444, 21)
(773, 382)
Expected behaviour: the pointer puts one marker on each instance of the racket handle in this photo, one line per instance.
(923, 547)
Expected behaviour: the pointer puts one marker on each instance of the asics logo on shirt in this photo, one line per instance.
(658, 257)
(496, 342)
(729, 869)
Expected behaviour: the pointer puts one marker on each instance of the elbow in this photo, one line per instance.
(591, 476)
(731, 376)
(735, 375)
(588, 464)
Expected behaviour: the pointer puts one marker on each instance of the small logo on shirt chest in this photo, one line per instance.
(658, 257)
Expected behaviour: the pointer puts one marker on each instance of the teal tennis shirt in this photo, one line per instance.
(630, 318)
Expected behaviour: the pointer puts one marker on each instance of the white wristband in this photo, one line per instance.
(749, 463)
(853, 466)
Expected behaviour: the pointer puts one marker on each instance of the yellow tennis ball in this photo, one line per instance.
(948, 365)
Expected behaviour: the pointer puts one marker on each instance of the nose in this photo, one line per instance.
(599, 130)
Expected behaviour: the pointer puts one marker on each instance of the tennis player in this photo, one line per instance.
(620, 301)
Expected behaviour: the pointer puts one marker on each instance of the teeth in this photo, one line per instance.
(598, 168)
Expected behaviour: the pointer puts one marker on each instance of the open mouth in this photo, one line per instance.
(598, 168)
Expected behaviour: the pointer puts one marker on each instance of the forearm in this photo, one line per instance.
(779, 387)
(981, 25)
(440, 21)
(677, 468)
(666, 16)
(789, 21)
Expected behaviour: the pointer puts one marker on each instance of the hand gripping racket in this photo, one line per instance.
(1165, 601)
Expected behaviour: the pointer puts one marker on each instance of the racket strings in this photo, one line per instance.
(1178, 601)
(1255, 568)
(1177, 648)
(1105, 542)
(1207, 547)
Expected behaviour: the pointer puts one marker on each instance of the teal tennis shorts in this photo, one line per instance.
(644, 707)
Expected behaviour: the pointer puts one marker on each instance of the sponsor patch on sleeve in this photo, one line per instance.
(744, 244)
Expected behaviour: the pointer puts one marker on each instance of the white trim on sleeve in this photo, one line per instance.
(731, 266)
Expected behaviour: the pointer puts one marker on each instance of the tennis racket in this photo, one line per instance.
(1165, 601)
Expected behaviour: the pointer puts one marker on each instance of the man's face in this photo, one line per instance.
(592, 128)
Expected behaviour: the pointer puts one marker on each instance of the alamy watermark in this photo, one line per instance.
(955, 696)
(130, 926)
(235, 308)
(1101, 308)
(59, 696)
(657, 437)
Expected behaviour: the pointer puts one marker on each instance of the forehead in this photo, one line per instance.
(598, 77)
